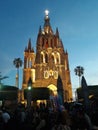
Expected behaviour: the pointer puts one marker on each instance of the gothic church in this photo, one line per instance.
(49, 66)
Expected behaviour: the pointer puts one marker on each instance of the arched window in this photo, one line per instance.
(41, 58)
(46, 58)
(52, 58)
(58, 58)
(30, 63)
(25, 62)
(51, 45)
(42, 42)
(46, 43)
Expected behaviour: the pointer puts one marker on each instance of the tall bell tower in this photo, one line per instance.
(29, 61)
(50, 62)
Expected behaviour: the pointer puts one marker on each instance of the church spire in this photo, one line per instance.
(57, 32)
(29, 47)
(47, 26)
(47, 19)
(40, 30)
(29, 44)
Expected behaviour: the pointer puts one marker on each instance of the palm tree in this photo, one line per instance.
(79, 70)
(2, 77)
(18, 63)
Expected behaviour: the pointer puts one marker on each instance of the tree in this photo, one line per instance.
(18, 63)
(2, 77)
(79, 71)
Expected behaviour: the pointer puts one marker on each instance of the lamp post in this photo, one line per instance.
(18, 63)
(29, 94)
(79, 70)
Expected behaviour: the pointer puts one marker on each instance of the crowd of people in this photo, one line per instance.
(44, 118)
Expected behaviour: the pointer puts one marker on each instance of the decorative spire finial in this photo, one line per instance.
(46, 12)
(47, 27)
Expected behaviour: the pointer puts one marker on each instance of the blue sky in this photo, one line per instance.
(77, 22)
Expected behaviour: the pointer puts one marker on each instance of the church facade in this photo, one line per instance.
(49, 66)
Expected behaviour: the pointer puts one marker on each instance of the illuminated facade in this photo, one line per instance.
(49, 63)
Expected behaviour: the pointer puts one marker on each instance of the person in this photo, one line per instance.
(42, 123)
(5, 116)
(1, 120)
(81, 121)
(63, 121)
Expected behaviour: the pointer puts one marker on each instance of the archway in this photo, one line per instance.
(53, 89)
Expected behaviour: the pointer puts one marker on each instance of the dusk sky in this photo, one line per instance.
(77, 22)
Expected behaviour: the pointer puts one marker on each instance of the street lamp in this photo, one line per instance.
(79, 70)
(18, 63)
(29, 94)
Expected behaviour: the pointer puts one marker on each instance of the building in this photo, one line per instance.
(49, 66)
(8, 95)
(92, 91)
